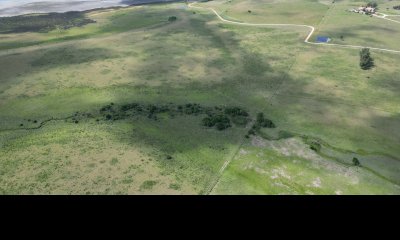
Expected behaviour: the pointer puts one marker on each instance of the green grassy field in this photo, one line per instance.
(363, 30)
(387, 7)
(55, 139)
(107, 22)
(396, 18)
(288, 167)
(270, 11)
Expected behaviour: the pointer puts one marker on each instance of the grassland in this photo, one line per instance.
(105, 23)
(363, 30)
(64, 77)
(289, 167)
(270, 11)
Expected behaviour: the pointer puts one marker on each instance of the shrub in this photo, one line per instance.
(251, 132)
(372, 4)
(235, 111)
(174, 186)
(260, 117)
(396, 7)
(172, 19)
(106, 108)
(152, 109)
(208, 122)
(223, 125)
(148, 184)
(240, 121)
(221, 121)
(114, 161)
(315, 146)
(356, 162)
(130, 106)
(192, 108)
(239, 116)
(261, 121)
(366, 61)
(285, 135)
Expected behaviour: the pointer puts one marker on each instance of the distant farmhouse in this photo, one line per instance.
(364, 10)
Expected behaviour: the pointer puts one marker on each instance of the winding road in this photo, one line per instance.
(307, 40)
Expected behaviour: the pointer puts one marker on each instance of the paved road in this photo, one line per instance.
(312, 30)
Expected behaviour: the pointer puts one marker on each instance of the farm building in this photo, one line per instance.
(364, 10)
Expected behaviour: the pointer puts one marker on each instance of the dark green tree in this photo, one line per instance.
(366, 61)
(372, 4)
(172, 19)
(315, 146)
(356, 162)
(260, 118)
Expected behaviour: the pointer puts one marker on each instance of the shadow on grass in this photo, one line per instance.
(71, 55)
(180, 143)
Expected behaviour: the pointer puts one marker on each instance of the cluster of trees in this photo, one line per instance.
(396, 7)
(132, 106)
(366, 61)
(235, 112)
(107, 108)
(261, 122)
(218, 117)
(238, 116)
(172, 19)
(372, 4)
(191, 108)
(221, 117)
(220, 121)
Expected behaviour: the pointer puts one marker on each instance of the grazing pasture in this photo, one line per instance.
(137, 104)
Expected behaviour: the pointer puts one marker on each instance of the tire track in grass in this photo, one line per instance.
(215, 182)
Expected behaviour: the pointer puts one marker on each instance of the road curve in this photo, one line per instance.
(306, 40)
(384, 16)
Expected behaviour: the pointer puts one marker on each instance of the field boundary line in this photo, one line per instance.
(215, 182)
